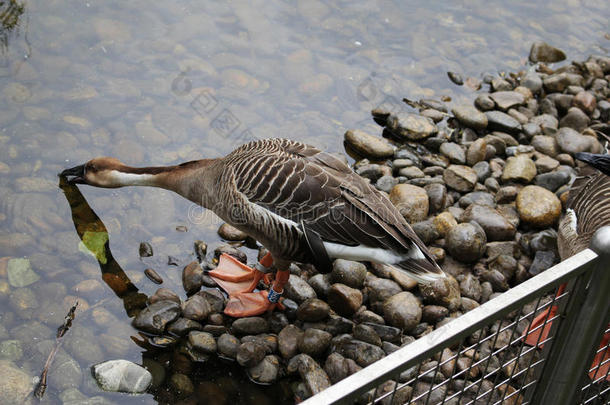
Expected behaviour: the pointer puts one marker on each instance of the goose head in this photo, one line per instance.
(599, 161)
(103, 172)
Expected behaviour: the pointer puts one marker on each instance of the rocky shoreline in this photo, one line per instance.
(482, 185)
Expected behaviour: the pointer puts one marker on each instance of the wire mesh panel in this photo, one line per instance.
(493, 365)
(596, 389)
(493, 354)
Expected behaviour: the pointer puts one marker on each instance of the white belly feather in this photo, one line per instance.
(365, 253)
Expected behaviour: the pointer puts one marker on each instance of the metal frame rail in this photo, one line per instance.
(554, 371)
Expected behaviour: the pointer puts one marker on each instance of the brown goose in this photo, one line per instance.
(302, 204)
(587, 210)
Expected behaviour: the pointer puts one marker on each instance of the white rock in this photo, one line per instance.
(122, 376)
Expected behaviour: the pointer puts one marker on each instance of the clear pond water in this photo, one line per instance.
(155, 83)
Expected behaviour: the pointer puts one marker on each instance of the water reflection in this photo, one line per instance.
(94, 237)
(11, 12)
(215, 381)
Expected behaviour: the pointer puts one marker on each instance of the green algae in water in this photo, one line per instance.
(94, 243)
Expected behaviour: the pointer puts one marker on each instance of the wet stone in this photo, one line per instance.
(313, 310)
(532, 81)
(249, 354)
(298, 290)
(443, 291)
(181, 385)
(496, 279)
(553, 180)
(484, 103)
(288, 339)
(344, 300)
(153, 276)
(362, 353)
(366, 334)
(311, 373)
(519, 168)
(466, 242)
(496, 226)
(434, 313)
(470, 117)
(192, 277)
(411, 172)
(402, 310)
(337, 325)
(155, 317)
(575, 119)
(453, 152)
(460, 178)
(538, 206)
(543, 260)
(253, 325)
(146, 249)
(570, 141)
(545, 144)
(313, 342)
(505, 264)
(321, 284)
(410, 126)
(348, 272)
(385, 332)
(20, 273)
(499, 121)
(196, 308)
(164, 294)
(411, 201)
(267, 371)
(507, 99)
(368, 145)
(202, 341)
(543, 52)
(227, 345)
(230, 233)
(122, 376)
(386, 183)
(338, 367)
(183, 326)
(585, 101)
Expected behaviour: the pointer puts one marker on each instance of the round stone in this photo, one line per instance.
(411, 126)
(411, 201)
(403, 310)
(470, 117)
(538, 206)
(230, 233)
(314, 342)
(519, 168)
(348, 272)
(344, 300)
(466, 242)
(313, 310)
(460, 178)
(368, 145)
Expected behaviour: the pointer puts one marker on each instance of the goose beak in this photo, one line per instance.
(75, 175)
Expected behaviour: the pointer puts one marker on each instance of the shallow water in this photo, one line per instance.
(160, 83)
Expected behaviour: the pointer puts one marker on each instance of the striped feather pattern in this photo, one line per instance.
(276, 184)
(589, 199)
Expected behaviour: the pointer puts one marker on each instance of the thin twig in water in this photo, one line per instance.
(61, 331)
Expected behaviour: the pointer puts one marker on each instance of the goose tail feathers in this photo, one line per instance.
(422, 270)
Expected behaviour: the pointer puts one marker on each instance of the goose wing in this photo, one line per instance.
(305, 185)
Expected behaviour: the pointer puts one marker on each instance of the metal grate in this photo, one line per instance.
(482, 358)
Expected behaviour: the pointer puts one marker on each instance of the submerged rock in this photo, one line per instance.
(122, 376)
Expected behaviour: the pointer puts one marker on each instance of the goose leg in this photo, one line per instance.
(234, 277)
(244, 304)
